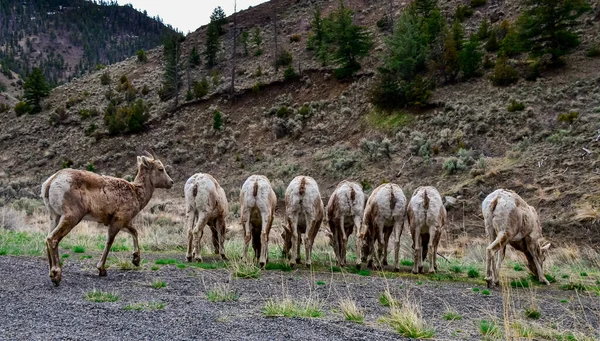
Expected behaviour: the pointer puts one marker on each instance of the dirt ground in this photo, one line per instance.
(33, 309)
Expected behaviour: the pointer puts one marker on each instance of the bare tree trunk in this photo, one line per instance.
(275, 30)
(391, 16)
(176, 74)
(234, 48)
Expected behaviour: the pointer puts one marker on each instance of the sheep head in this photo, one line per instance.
(155, 170)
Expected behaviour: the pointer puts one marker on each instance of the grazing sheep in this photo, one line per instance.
(344, 213)
(426, 217)
(384, 214)
(206, 203)
(304, 214)
(73, 195)
(258, 203)
(509, 220)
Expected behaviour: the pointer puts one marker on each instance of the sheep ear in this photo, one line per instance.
(142, 160)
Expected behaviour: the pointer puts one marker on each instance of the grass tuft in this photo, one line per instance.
(78, 249)
(407, 262)
(518, 267)
(155, 267)
(407, 320)
(163, 261)
(278, 266)
(489, 328)
(291, 308)
(245, 270)
(386, 299)
(145, 306)
(573, 286)
(321, 283)
(351, 311)
(485, 292)
(532, 313)
(457, 269)
(99, 296)
(520, 283)
(451, 315)
(221, 293)
(158, 284)
(473, 273)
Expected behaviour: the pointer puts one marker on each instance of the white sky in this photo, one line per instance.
(187, 15)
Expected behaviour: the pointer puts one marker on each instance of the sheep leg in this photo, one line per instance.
(357, 225)
(532, 245)
(191, 217)
(386, 242)
(136, 246)
(418, 252)
(293, 225)
(499, 259)
(436, 243)
(343, 242)
(380, 245)
(491, 270)
(247, 234)
(65, 226)
(264, 238)
(112, 233)
(198, 233)
(397, 234)
(310, 239)
(221, 227)
(54, 220)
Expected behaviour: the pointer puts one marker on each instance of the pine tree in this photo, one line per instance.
(194, 58)
(351, 42)
(35, 89)
(471, 58)
(212, 44)
(244, 41)
(172, 52)
(546, 26)
(218, 18)
(492, 44)
(484, 30)
(257, 40)
(451, 59)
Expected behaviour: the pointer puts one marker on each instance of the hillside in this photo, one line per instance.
(67, 38)
(329, 129)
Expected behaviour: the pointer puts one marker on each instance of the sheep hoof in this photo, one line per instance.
(396, 269)
(358, 266)
(198, 259)
(136, 259)
(308, 265)
(189, 258)
(262, 265)
(223, 257)
(55, 276)
(385, 263)
(298, 261)
(102, 272)
(420, 269)
(414, 271)
(489, 283)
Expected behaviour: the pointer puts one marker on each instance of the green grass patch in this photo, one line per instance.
(65, 255)
(145, 306)
(206, 266)
(485, 292)
(155, 267)
(245, 270)
(291, 308)
(457, 269)
(86, 257)
(475, 289)
(451, 315)
(389, 121)
(488, 328)
(532, 313)
(564, 301)
(221, 293)
(407, 262)
(351, 311)
(386, 299)
(335, 269)
(520, 283)
(574, 286)
(78, 249)
(100, 296)
(518, 267)
(167, 261)
(583, 274)
(181, 266)
(15, 243)
(158, 284)
(321, 283)
(473, 273)
(278, 266)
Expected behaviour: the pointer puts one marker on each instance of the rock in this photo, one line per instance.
(450, 201)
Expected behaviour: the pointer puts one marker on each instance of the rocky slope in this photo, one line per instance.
(330, 131)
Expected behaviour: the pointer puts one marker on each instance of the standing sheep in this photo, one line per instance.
(344, 214)
(258, 203)
(304, 214)
(73, 195)
(384, 214)
(510, 220)
(427, 218)
(206, 203)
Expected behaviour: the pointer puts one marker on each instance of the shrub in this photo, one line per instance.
(504, 73)
(511, 44)
(201, 88)
(189, 95)
(91, 128)
(462, 12)
(58, 116)
(489, 328)
(131, 93)
(460, 163)
(145, 90)
(22, 108)
(533, 71)
(290, 74)
(4, 107)
(593, 51)
(478, 3)
(473, 273)
(105, 78)
(259, 71)
(284, 58)
(483, 32)
(123, 79)
(217, 120)
(515, 106)
(470, 58)
(142, 57)
(256, 87)
(90, 167)
(568, 118)
(130, 119)
(87, 113)
(294, 38)
(492, 44)
(532, 313)
(283, 111)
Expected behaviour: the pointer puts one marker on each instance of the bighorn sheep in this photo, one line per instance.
(427, 218)
(73, 195)
(344, 214)
(258, 203)
(385, 213)
(206, 203)
(510, 220)
(304, 214)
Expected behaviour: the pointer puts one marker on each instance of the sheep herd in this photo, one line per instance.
(74, 195)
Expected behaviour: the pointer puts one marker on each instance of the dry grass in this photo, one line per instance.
(351, 310)
(288, 307)
(221, 293)
(587, 213)
(406, 319)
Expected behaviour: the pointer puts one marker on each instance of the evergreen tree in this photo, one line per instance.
(471, 58)
(257, 40)
(171, 79)
(194, 58)
(351, 42)
(484, 30)
(492, 44)
(244, 41)
(546, 26)
(35, 89)
(318, 38)
(458, 34)
(219, 19)
(451, 59)
(212, 43)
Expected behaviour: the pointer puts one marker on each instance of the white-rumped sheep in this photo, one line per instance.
(304, 214)
(205, 203)
(258, 202)
(509, 220)
(384, 214)
(344, 214)
(73, 195)
(427, 217)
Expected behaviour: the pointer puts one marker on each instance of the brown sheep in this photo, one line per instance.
(73, 195)
(258, 203)
(509, 220)
(427, 218)
(304, 214)
(206, 203)
(344, 214)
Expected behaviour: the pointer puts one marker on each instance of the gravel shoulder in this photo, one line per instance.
(33, 309)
